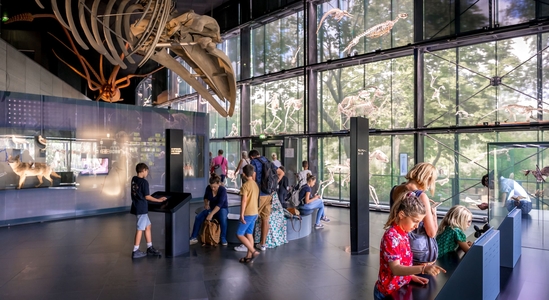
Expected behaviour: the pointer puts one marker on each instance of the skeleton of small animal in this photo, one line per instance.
(294, 58)
(436, 90)
(349, 105)
(188, 169)
(375, 32)
(291, 105)
(274, 106)
(213, 131)
(335, 13)
(234, 130)
(231, 176)
(324, 184)
(540, 175)
(443, 181)
(255, 123)
(379, 155)
(516, 109)
(464, 115)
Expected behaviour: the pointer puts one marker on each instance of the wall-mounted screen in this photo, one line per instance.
(95, 166)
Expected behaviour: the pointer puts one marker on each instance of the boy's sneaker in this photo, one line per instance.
(241, 248)
(193, 241)
(325, 219)
(153, 252)
(261, 247)
(138, 254)
(319, 226)
(224, 243)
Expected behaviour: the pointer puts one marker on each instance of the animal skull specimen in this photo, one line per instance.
(190, 36)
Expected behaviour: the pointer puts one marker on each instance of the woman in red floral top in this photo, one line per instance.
(395, 257)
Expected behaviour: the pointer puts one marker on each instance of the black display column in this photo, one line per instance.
(174, 160)
(360, 193)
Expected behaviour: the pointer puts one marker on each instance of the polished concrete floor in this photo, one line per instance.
(89, 258)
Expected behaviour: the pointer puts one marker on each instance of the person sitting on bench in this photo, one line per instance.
(311, 202)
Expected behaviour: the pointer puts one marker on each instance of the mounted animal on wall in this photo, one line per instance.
(40, 170)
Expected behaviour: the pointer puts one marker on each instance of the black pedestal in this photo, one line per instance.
(176, 215)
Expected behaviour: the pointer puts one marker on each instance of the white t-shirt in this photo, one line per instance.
(302, 177)
(513, 189)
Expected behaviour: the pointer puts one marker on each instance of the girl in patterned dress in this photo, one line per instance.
(451, 232)
(277, 226)
(395, 256)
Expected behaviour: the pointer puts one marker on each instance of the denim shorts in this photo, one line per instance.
(143, 221)
(247, 228)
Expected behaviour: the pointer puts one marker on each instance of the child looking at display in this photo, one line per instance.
(395, 257)
(451, 232)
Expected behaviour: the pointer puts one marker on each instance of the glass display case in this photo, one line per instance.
(517, 175)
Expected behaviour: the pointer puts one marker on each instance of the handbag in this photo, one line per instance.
(424, 248)
(293, 214)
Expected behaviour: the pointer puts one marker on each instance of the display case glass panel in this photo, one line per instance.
(517, 180)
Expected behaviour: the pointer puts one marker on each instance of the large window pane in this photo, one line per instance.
(382, 91)
(441, 18)
(356, 27)
(278, 45)
(277, 107)
(494, 81)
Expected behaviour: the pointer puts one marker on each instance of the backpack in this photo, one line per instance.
(218, 169)
(269, 177)
(293, 200)
(210, 233)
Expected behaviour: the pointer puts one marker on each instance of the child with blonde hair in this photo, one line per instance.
(395, 256)
(451, 231)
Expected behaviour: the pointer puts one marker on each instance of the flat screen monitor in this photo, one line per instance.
(95, 166)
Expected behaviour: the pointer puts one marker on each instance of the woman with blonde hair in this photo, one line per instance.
(421, 178)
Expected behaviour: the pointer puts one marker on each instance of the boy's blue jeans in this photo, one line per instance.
(221, 216)
(316, 204)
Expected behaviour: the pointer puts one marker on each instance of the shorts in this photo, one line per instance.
(247, 228)
(143, 221)
(265, 203)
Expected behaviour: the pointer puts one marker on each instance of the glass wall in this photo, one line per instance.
(348, 28)
(437, 99)
(494, 81)
(381, 91)
(277, 107)
(278, 45)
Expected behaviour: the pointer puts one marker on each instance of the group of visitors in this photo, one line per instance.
(413, 239)
(262, 222)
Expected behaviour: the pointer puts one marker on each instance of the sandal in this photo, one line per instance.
(245, 260)
(254, 255)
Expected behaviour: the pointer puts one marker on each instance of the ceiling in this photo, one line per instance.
(13, 7)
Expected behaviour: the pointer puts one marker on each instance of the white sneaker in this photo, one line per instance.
(261, 247)
(241, 248)
(319, 226)
(193, 241)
